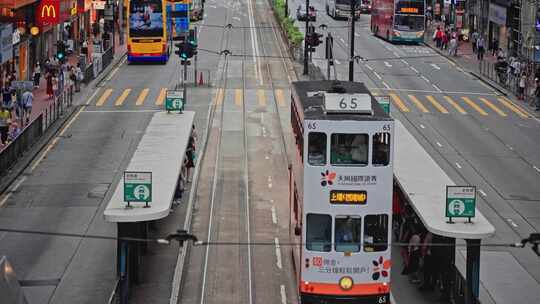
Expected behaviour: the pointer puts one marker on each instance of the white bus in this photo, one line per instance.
(341, 9)
(340, 193)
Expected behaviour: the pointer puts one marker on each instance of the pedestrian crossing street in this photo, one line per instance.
(432, 103)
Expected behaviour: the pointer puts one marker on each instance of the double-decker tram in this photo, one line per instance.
(340, 193)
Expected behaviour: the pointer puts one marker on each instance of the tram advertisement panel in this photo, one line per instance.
(347, 203)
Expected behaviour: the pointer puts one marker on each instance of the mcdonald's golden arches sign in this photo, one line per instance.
(48, 12)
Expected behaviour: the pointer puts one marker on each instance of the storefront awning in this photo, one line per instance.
(13, 4)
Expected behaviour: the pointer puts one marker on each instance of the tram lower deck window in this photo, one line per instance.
(349, 149)
(317, 149)
(375, 232)
(348, 232)
(319, 232)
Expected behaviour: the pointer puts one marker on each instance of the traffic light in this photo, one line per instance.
(187, 48)
(60, 51)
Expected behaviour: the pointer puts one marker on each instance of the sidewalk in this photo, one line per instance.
(468, 61)
(42, 102)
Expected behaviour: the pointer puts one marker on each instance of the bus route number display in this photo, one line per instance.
(410, 10)
(347, 197)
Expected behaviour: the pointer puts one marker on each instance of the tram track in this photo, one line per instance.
(229, 216)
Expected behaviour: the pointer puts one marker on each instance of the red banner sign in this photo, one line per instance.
(48, 13)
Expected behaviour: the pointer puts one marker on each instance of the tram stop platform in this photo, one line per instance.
(147, 265)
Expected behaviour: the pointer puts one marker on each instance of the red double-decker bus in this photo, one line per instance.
(398, 20)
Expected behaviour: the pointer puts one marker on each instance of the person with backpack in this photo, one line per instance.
(27, 101)
(480, 47)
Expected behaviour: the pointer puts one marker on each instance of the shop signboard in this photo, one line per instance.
(6, 42)
(497, 14)
(98, 5)
(48, 13)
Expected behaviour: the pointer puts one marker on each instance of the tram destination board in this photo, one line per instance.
(348, 197)
(347, 103)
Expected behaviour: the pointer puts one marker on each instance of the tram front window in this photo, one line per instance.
(317, 149)
(349, 149)
(375, 232)
(381, 149)
(347, 233)
(319, 232)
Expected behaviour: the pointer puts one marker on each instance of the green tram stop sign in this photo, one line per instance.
(137, 187)
(174, 101)
(460, 202)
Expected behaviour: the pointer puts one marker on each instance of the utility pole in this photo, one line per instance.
(329, 54)
(306, 46)
(351, 57)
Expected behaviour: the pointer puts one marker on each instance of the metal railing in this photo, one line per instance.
(508, 80)
(35, 129)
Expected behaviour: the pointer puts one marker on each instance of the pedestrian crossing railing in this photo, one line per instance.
(58, 107)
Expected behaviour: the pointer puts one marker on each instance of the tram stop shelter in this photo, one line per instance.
(160, 151)
(423, 184)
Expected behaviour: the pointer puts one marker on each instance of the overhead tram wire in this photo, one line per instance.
(264, 27)
(357, 58)
(220, 243)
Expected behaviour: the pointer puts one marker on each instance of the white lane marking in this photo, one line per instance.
(337, 61)
(458, 165)
(422, 126)
(278, 254)
(439, 144)
(415, 70)
(236, 18)
(15, 187)
(342, 40)
(446, 92)
(396, 54)
(369, 67)
(424, 77)
(482, 192)
(436, 88)
(356, 35)
(510, 147)
(536, 168)
(274, 215)
(266, 157)
(387, 64)
(255, 46)
(404, 61)
(436, 67)
(509, 220)
(283, 294)
(392, 300)
(377, 75)
(212, 6)
(270, 182)
(91, 97)
(386, 85)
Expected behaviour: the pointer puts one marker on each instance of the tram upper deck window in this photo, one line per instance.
(381, 149)
(375, 232)
(349, 149)
(317, 149)
(348, 232)
(319, 232)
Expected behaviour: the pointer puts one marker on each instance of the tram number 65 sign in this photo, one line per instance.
(460, 201)
(137, 187)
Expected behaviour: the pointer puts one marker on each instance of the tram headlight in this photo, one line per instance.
(346, 283)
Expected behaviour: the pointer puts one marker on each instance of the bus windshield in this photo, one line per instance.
(409, 23)
(146, 18)
(345, 2)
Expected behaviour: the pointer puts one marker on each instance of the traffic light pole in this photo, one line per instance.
(184, 82)
(351, 59)
(306, 46)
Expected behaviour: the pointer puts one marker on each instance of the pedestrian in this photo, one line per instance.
(84, 49)
(452, 50)
(73, 77)
(438, 37)
(480, 47)
(55, 83)
(189, 160)
(37, 75)
(80, 77)
(494, 47)
(474, 38)
(537, 94)
(445, 37)
(429, 263)
(48, 78)
(7, 100)
(521, 86)
(414, 255)
(500, 55)
(5, 121)
(27, 101)
(14, 131)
